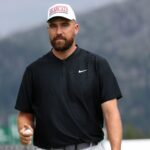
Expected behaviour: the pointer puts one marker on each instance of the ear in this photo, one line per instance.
(77, 28)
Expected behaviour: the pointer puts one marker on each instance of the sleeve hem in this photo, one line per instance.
(23, 110)
(105, 99)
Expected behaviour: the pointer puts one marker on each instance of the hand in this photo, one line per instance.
(26, 134)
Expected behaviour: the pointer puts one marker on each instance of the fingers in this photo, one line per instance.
(26, 134)
(26, 140)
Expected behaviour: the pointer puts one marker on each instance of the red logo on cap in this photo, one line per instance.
(58, 9)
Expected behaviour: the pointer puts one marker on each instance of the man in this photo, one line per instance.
(65, 94)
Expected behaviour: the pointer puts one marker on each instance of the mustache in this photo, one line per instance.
(59, 37)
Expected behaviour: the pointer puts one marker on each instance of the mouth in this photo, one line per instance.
(59, 39)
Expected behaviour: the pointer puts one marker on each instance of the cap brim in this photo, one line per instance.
(62, 16)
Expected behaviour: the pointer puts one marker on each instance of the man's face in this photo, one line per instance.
(62, 33)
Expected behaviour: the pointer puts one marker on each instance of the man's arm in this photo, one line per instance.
(25, 121)
(113, 123)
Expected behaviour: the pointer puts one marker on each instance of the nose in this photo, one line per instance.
(59, 30)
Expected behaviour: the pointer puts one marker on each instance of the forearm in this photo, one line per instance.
(113, 123)
(25, 119)
(114, 130)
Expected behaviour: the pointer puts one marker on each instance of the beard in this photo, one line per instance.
(61, 44)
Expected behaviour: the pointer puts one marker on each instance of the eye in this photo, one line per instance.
(51, 25)
(65, 24)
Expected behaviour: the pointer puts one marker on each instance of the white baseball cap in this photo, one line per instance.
(61, 10)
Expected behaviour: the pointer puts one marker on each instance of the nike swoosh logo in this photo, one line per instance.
(81, 71)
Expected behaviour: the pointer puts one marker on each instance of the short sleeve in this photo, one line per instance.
(108, 86)
(24, 98)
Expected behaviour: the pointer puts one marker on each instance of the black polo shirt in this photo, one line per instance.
(65, 97)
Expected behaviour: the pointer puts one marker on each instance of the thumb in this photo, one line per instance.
(27, 130)
(26, 126)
